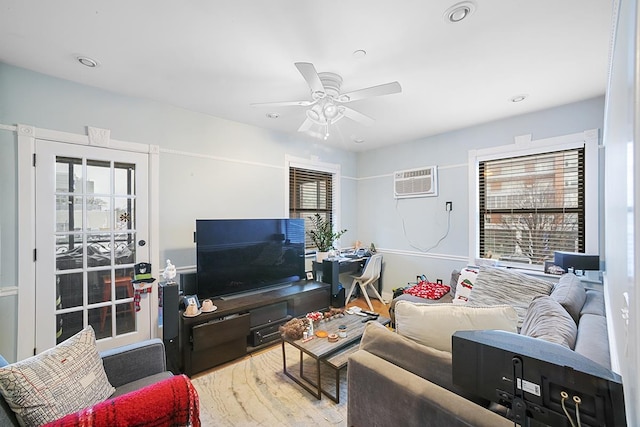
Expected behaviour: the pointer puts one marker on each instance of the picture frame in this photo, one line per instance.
(309, 275)
(187, 299)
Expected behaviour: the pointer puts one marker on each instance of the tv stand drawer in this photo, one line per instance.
(220, 331)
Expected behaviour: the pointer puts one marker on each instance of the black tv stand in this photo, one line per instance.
(257, 291)
(246, 323)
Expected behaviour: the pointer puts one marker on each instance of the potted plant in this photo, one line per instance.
(323, 236)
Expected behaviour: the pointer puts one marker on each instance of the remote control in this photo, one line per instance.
(370, 313)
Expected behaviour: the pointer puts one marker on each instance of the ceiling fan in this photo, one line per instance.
(327, 103)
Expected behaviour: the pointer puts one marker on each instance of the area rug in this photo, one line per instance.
(255, 392)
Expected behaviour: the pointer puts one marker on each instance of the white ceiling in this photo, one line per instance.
(217, 57)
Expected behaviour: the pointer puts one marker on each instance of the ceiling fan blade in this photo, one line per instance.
(310, 74)
(284, 104)
(306, 125)
(384, 89)
(357, 116)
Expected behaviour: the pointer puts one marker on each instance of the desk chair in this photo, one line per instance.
(369, 276)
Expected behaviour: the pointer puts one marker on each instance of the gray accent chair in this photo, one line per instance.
(128, 368)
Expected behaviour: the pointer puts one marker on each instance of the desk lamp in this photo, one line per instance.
(574, 261)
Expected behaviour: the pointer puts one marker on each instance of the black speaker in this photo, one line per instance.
(170, 302)
(188, 283)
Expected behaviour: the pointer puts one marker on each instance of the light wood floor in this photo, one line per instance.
(378, 306)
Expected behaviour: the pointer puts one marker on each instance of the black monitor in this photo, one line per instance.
(531, 376)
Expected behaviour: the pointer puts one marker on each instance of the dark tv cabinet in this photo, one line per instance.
(245, 323)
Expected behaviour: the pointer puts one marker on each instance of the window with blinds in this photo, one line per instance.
(531, 206)
(310, 192)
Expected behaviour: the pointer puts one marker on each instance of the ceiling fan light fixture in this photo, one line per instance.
(459, 12)
(330, 111)
(316, 115)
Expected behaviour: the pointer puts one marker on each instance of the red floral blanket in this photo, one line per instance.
(428, 290)
(171, 402)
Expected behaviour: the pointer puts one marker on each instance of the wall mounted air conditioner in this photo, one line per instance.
(421, 182)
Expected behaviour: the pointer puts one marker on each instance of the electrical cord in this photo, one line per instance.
(577, 401)
(565, 396)
(415, 246)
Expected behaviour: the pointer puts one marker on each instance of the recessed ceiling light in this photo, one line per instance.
(87, 62)
(360, 53)
(518, 98)
(459, 11)
(358, 140)
(273, 115)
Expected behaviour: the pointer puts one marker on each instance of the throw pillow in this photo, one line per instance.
(570, 293)
(428, 290)
(502, 286)
(466, 279)
(548, 320)
(56, 382)
(433, 324)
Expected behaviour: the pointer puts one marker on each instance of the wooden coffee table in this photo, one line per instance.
(334, 355)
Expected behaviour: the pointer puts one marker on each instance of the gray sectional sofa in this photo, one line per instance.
(394, 380)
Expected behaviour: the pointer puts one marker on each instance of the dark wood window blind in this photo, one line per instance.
(310, 192)
(531, 206)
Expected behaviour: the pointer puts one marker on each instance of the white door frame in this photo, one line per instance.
(26, 220)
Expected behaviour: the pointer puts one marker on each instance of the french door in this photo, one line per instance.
(91, 228)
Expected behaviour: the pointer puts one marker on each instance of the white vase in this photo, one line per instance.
(321, 256)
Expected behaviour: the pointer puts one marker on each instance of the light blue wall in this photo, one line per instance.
(425, 219)
(210, 167)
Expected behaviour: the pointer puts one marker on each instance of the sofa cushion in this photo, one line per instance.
(426, 362)
(592, 340)
(57, 382)
(464, 285)
(548, 320)
(594, 303)
(433, 324)
(570, 293)
(502, 286)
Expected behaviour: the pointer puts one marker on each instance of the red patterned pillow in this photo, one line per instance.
(428, 290)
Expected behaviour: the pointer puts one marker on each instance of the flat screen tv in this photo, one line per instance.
(537, 380)
(236, 256)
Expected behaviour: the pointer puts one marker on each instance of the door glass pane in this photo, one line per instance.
(68, 173)
(99, 251)
(69, 251)
(123, 286)
(69, 290)
(125, 318)
(98, 213)
(124, 213)
(99, 286)
(124, 179)
(69, 324)
(125, 248)
(99, 320)
(98, 177)
(68, 213)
